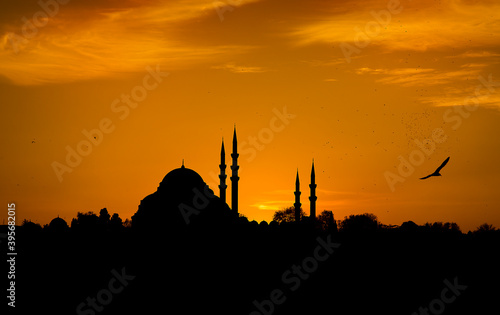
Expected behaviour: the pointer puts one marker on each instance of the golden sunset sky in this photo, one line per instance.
(356, 85)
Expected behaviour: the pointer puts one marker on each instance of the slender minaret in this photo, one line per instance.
(297, 203)
(222, 176)
(312, 198)
(234, 176)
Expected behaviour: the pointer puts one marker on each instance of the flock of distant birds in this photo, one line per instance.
(436, 172)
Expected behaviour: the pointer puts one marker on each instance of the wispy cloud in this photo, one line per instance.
(458, 99)
(421, 26)
(112, 40)
(476, 54)
(423, 77)
(455, 87)
(326, 63)
(273, 205)
(450, 96)
(231, 67)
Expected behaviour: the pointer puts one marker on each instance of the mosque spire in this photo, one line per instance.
(234, 176)
(222, 176)
(313, 198)
(297, 203)
(235, 141)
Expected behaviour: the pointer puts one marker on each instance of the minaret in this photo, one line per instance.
(234, 176)
(297, 203)
(222, 176)
(312, 198)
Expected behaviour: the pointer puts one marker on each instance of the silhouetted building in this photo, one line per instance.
(297, 203)
(313, 198)
(182, 197)
(234, 176)
(222, 176)
(58, 225)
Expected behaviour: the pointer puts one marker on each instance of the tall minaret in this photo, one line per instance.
(297, 203)
(234, 176)
(312, 198)
(222, 176)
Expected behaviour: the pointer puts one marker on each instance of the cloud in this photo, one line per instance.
(326, 63)
(475, 93)
(272, 205)
(105, 39)
(231, 67)
(476, 54)
(456, 87)
(420, 26)
(423, 76)
(464, 98)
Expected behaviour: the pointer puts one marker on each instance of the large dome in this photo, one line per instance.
(180, 179)
(171, 206)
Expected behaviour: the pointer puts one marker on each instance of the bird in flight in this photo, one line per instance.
(436, 172)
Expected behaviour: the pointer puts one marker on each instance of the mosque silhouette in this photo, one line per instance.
(183, 197)
(189, 252)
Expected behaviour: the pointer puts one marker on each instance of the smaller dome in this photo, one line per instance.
(58, 224)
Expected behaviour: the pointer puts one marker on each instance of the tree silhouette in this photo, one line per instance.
(127, 223)
(104, 217)
(366, 222)
(85, 221)
(31, 228)
(327, 221)
(287, 215)
(80, 260)
(485, 228)
(440, 227)
(409, 226)
(115, 222)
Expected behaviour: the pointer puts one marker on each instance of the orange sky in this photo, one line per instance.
(362, 81)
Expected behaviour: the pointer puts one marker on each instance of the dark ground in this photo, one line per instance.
(229, 268)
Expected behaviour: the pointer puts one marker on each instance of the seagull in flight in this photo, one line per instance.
(436, 172)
